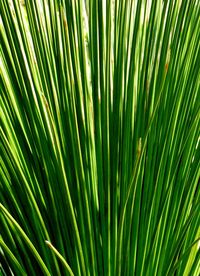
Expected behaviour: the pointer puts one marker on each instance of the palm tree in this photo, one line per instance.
(99, 137)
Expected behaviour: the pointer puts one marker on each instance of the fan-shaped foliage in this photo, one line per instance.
(99, 137)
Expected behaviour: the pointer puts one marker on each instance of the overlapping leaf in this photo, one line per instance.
(99, 137)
